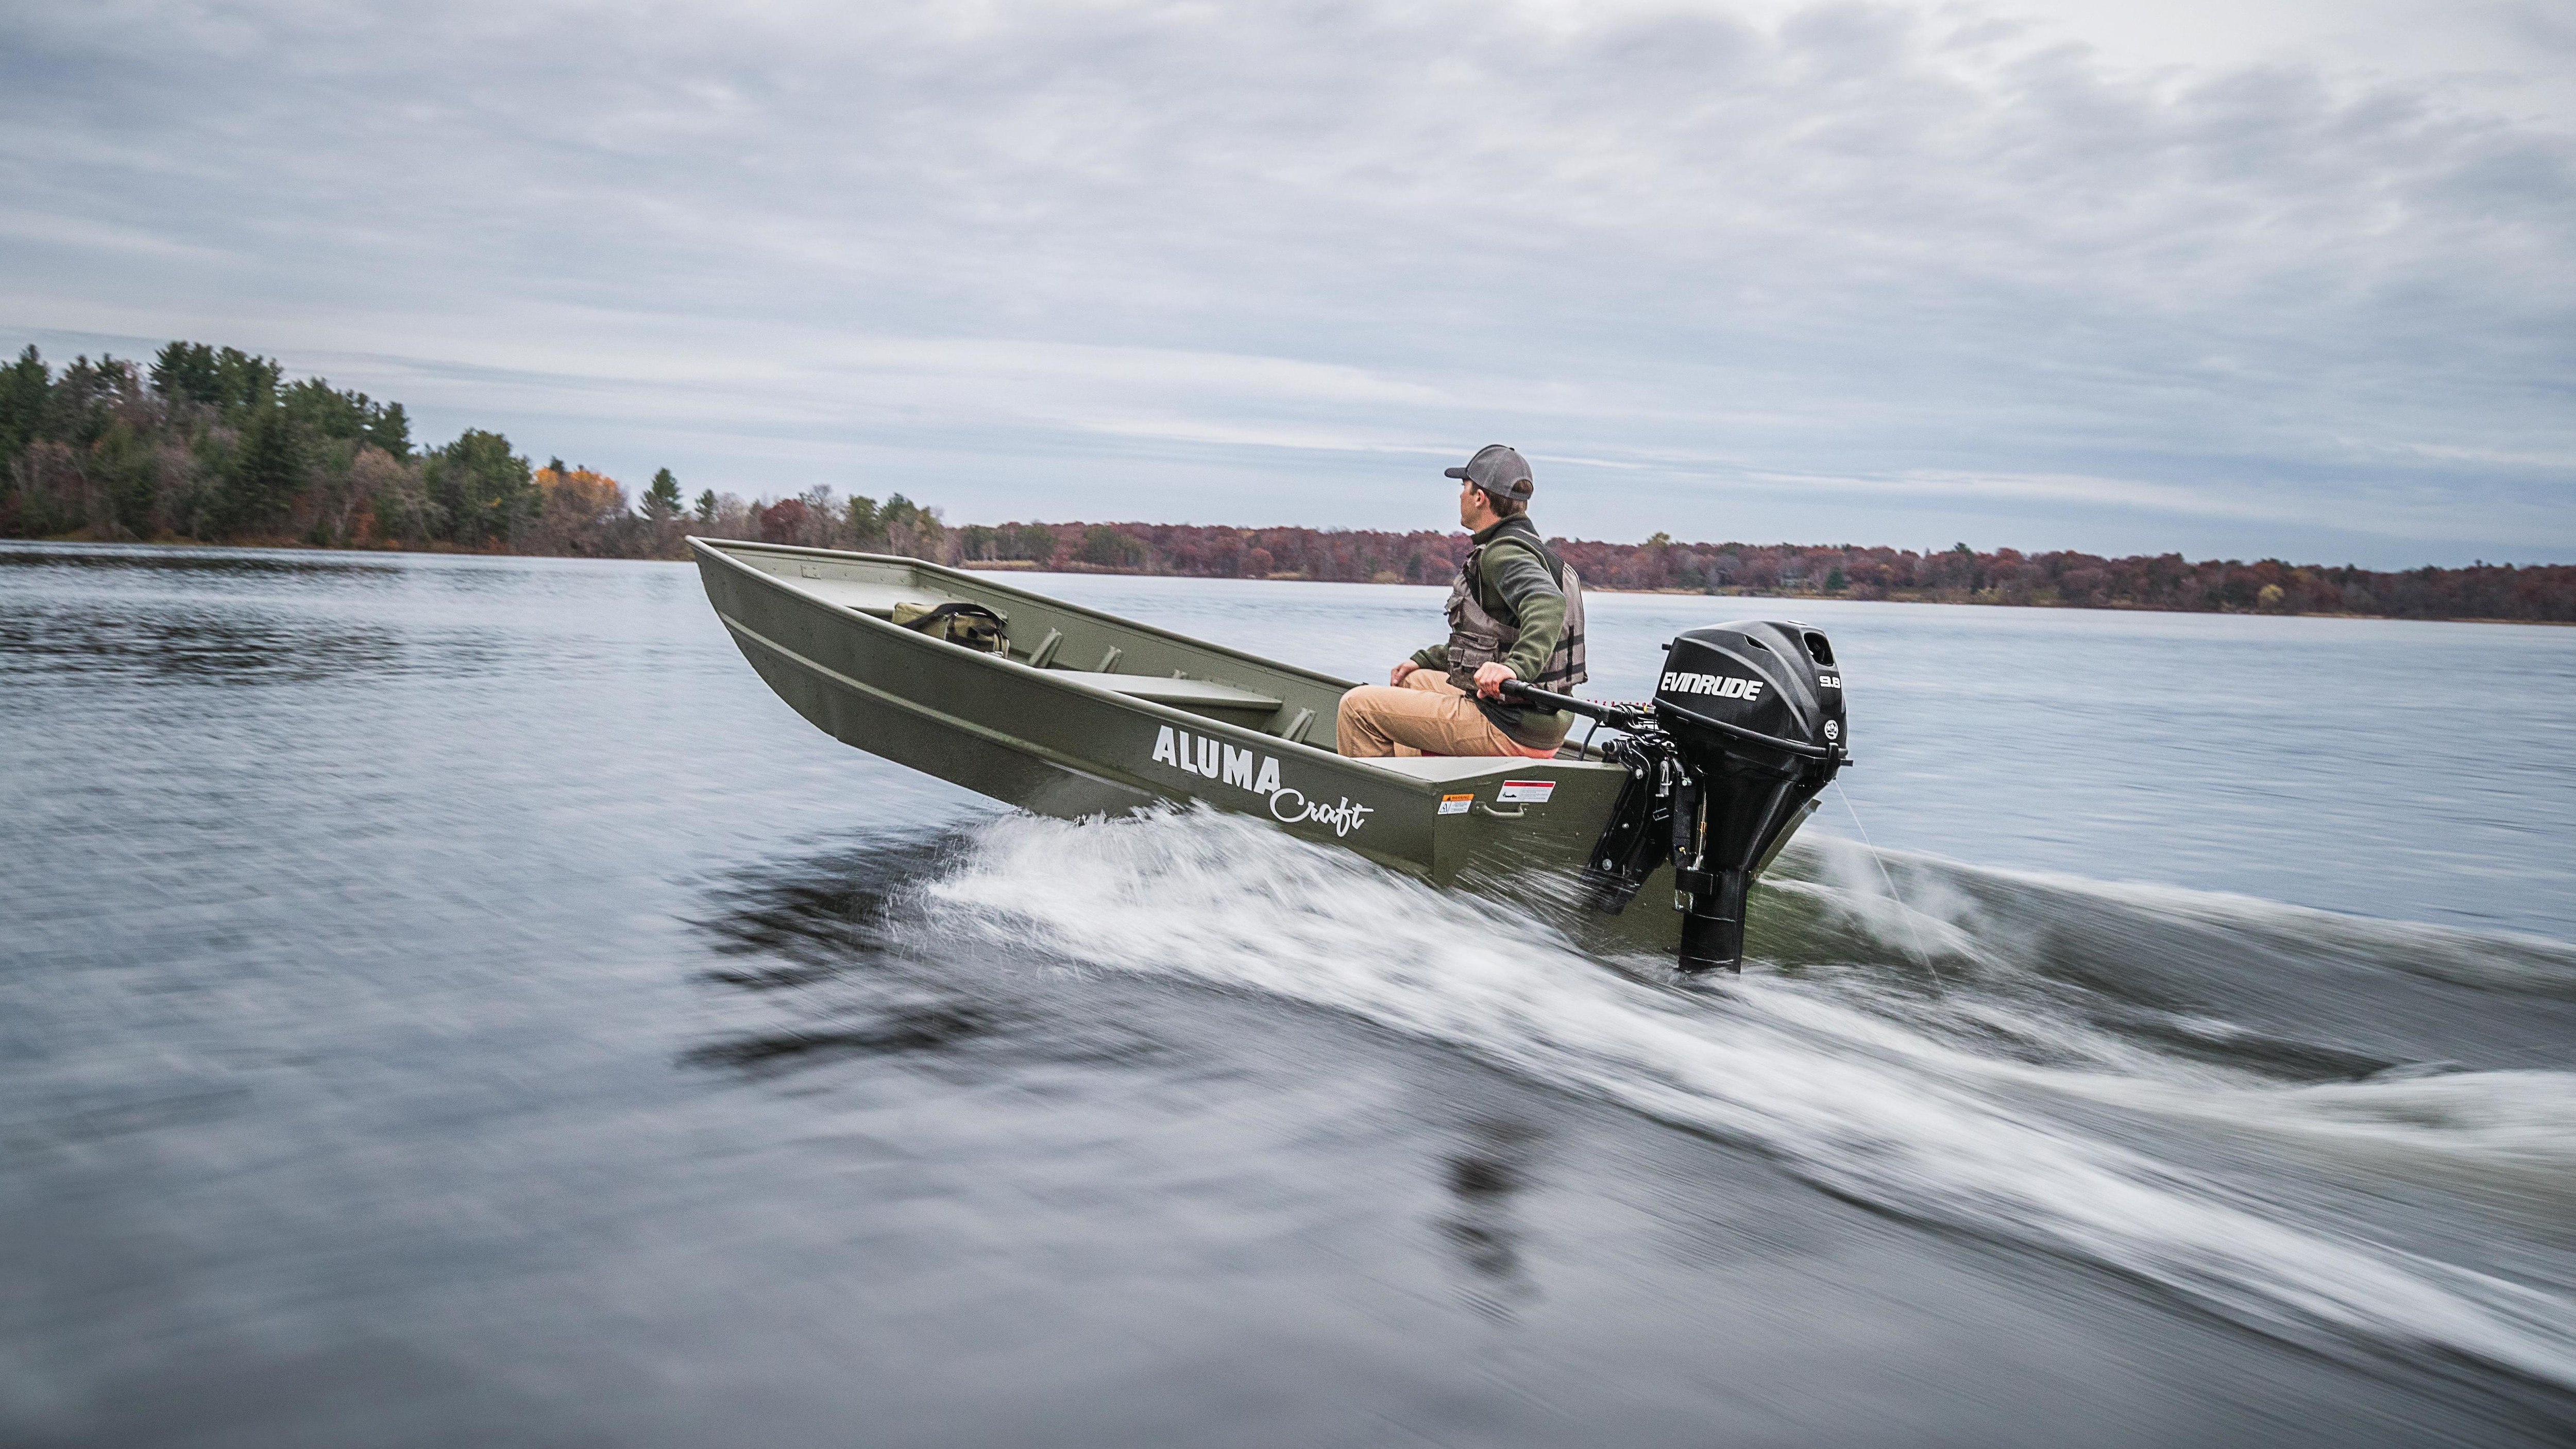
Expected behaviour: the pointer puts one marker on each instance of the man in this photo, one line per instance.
(1515, 612)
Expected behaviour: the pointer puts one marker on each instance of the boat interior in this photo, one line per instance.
(1136, 660)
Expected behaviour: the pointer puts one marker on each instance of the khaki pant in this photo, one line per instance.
(1424, 715)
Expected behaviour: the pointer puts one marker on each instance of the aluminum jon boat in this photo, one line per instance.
(1072, 712)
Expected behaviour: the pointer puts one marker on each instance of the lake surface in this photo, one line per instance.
(452, 1000)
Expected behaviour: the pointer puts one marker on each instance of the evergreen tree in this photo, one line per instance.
(185, 372)
(1112, 548)
(865, 524)
(322, 411)
(1034, 541)
(121, 469)
(77, 407)
(23, 388)
(662, 500)
(242, 381)
(390, 430)
(267, 471)
(486, 491)
(707, 508)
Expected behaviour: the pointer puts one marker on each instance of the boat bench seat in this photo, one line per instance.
(1190, 694)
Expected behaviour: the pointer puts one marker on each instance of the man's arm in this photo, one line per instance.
(1435, 656)
(1536, 601)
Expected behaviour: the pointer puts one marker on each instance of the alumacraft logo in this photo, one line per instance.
(1724, 686)
(1217, 760)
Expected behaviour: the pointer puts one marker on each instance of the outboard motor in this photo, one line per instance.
(1745, 728)
(1757, 709)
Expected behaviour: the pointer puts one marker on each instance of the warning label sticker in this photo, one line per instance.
(1456, 804)
(1533, 792)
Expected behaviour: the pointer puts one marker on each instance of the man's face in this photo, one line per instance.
(1471, 507)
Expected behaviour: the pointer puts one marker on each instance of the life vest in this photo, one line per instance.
(1476, 636)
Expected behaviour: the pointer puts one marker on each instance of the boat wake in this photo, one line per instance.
(2204, 1092)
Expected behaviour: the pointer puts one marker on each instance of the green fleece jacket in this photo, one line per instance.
(1512, 584)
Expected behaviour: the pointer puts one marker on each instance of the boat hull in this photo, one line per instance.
(1229, 732)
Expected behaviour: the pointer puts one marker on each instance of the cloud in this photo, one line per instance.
(1247, 263)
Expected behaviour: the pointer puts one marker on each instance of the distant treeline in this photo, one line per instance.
(1959, 574)
(216, 445)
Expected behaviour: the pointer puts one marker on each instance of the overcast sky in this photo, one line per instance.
(2245, 278)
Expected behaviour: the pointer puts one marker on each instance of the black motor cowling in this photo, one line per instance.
(1776, 680)
(1757, 709)
(1745, 729)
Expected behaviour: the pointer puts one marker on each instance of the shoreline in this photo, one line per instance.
(1028, 566)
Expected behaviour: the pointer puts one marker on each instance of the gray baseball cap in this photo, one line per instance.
(1499, 469)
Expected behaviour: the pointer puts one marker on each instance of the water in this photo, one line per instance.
(451, 1000)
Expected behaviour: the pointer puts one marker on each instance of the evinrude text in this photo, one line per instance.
(1724, 686)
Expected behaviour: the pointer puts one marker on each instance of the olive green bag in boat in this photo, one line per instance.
(972, 625)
